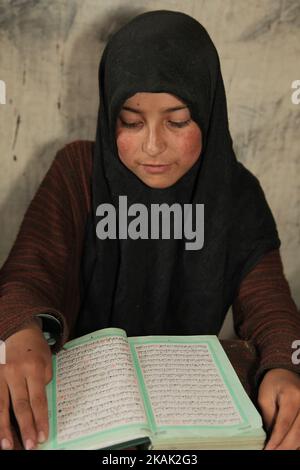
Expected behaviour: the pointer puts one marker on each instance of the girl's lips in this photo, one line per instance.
(156, 169)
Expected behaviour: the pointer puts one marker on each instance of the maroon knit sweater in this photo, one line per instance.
(41, 273)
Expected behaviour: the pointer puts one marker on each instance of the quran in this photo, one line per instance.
(110, 391)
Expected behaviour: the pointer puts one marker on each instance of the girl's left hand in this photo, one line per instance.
(279, 400)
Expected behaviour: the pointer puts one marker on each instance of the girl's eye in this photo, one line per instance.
(173, 123)
(180, 124)
(129, 125)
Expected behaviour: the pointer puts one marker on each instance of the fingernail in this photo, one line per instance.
(270, 447)
(41, 437)
(5, 444)
(29, 444)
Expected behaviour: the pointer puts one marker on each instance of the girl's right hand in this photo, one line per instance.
(23, 380)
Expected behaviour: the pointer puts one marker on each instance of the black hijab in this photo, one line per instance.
(149, 286)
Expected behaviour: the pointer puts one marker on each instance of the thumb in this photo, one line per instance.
(48, 372)
(268, 409)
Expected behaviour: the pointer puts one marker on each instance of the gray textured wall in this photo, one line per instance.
(49, 56)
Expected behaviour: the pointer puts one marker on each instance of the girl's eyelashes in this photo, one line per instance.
(180, 124)
(173, 123)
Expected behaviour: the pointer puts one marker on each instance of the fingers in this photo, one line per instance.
(27, 389)
(38, 402)
(23, 378)
(288, 411)
(292, 439)
(22, 409)
(6, 439)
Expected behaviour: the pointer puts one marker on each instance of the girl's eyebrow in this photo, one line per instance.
(168, 110)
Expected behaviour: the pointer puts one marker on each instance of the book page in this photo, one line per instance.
(184, 385)
(96, 389)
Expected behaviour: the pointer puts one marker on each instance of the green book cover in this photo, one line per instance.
(162, 392)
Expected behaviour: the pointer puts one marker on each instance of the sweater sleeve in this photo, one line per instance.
(41, 272)
(265, 313)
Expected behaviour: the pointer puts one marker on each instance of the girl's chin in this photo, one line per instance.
(158, 182)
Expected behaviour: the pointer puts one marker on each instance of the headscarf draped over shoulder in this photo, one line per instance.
(157, 286)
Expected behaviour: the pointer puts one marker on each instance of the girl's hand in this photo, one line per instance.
(279, 400)
(23, 379)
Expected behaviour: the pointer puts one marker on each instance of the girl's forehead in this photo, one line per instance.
(148, 98)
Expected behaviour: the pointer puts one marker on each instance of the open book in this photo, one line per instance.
(162, 392)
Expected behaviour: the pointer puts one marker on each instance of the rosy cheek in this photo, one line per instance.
(124, 143)
(191, 143)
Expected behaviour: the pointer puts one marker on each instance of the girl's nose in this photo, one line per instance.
(154, 142)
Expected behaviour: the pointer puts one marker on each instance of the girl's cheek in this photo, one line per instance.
(125, 143)
(191, 142)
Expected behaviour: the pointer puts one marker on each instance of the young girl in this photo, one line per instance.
(162, 138)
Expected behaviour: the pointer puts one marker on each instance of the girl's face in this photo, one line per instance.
(157, 139)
